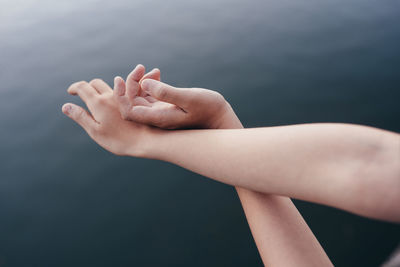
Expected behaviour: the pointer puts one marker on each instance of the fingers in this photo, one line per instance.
(140, 101)
(100, 86)
(164, 92)
(119, 86)
(119, 95)
(150, 99)
(86, 92)
(167, 119)
(132, 81)
(80, 116)
(154, 74)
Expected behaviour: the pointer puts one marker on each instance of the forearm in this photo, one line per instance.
(282, 237)
(346, 166)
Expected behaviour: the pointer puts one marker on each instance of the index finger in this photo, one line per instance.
(85, 91)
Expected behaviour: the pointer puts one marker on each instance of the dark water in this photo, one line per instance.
(66, 202)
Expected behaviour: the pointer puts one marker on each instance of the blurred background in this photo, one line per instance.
(64, 201)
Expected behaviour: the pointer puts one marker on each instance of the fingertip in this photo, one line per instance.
(119, 86)
(137, 73)
(80, 116)
(147, 84)
(70, 91)
(153, 74)
(119, 79)
(67, 109)
(156, 74)
(153, 71)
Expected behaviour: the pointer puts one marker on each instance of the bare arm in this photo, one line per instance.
(282, 236)
(350, 167)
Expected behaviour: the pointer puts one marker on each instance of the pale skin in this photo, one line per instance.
(354, 168)
(281, 235)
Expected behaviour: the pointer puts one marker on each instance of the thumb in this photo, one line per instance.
(80, 116)
(167, 93)
(154, 74)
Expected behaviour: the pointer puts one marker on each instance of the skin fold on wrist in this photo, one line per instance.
(228, 120)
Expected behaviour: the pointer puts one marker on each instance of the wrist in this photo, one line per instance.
(227, 119)
(145, 148)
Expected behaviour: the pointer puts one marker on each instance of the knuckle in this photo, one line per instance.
(192, 96)
(162, 93)
(96, 132)
(79, 113)
(75, 86)
(81, 84)
(95, 81)
(102, 101)
(219, 97)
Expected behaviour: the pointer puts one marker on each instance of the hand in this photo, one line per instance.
(104, 123)
(147, 100)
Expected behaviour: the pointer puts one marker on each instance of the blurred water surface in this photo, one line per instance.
(66, 202)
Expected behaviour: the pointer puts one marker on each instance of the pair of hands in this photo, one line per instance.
(125, 120)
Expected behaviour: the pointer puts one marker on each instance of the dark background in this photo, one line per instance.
(64, 201)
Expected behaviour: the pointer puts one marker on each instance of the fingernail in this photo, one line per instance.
(67, 109)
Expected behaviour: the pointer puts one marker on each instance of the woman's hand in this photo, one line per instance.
(147, 100)
(104, 123)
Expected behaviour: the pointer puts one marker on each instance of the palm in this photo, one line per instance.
(155, 105)
(200, 111)
(175, 108)
(160, 106)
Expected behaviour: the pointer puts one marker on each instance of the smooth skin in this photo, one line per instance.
(351, 167)
(359, 159)
(281, 235)
(141, 100)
